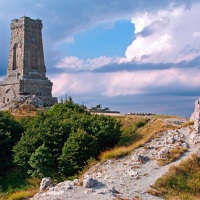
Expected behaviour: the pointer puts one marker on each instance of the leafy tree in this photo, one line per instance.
(10, 133)
(6, 144)
(79, 147)
(10, 125)
(70, 133)
(41, 162)
(106, 130)
(28, 143)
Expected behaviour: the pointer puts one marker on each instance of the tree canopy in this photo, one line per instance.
(64, 137)
(10, 133)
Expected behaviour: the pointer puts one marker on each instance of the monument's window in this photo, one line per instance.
(14, 67)
(7, 90)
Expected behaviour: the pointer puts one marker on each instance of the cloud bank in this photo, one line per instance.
(163, 59)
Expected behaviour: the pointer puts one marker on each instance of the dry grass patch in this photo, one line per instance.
(23, 194)
(122, 198)
(181, 182)
(189, 123)
(174, 154)
(146, 132)
(164, 116)
(25, 110)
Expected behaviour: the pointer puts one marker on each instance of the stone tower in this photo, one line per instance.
(26, 72)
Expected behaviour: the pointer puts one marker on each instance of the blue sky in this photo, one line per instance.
(110, 39)
(132, 56)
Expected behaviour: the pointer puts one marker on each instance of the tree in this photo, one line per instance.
(9, 125)
(106, 130)
(71, 134)
(79, 147)
(41, 162)
(10, 133)
(28, 143)
(6, 145)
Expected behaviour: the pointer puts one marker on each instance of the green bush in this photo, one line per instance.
(62, 129)
(41, 162)
(79, 147)
(10, 133)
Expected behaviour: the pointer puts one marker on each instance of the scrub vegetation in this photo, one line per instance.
(62, 142)
(181, 182)
(136, 131)
(58, 142)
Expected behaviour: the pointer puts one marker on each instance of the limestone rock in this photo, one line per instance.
(69, 184)
(132, 172)
(162, 153)
(89, 182)
(139, 158)
(195, 117)
(171, 140)
(46, 183)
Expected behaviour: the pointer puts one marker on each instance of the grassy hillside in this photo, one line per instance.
(69, 124)
(182, 182)
(136, 131)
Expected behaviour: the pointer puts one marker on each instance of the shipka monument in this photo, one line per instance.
(26, 71)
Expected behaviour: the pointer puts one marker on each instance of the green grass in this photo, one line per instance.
(129, 132)
(15, 178)
(181, 182)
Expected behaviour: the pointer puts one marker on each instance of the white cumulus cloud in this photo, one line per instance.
(76, 64)
(165, 36)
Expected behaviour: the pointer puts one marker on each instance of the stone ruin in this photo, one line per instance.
(195, 117)
(26, 71)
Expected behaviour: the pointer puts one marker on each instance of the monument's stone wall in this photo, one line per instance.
(26, 71)
(195, 117)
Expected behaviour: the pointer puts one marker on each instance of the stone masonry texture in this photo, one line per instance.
(26, 71)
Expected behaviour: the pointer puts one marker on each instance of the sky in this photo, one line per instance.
(132, 56)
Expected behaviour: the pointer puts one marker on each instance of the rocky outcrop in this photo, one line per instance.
(89, 182)
(195, 117)
(24, 101)
(46, 183)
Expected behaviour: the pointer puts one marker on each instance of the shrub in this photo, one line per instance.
(41, 162)
(61, 124)
(10, 133)
(79, 147)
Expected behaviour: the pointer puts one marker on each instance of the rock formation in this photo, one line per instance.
(195, 117)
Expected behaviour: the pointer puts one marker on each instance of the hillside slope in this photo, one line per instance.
(131, 176)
